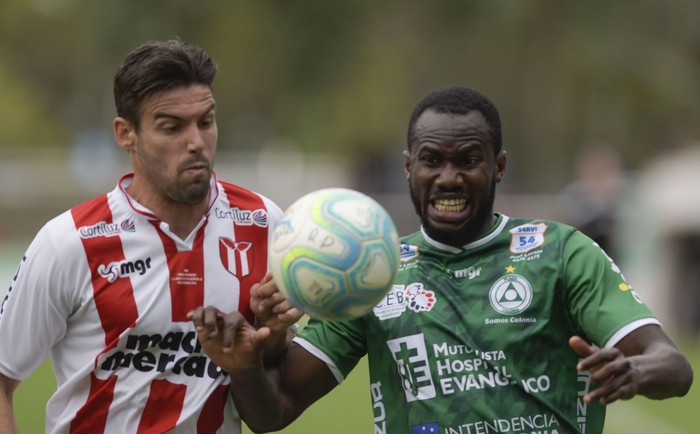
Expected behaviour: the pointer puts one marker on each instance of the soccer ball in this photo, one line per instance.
(334, 254)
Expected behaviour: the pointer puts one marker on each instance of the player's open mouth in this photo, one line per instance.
(450, 205)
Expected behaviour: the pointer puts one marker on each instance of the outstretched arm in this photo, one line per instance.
(273, 380)
(645, 362)
(267, 396)
(275, 312)
(7, 417)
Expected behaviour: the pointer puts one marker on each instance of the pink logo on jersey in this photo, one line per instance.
(419, 299)
(236, 256)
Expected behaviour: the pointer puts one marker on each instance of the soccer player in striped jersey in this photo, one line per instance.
(105, 288)
(494, 324)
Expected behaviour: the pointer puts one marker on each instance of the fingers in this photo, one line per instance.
(615, 388)
(290, 316)
(608, 368)
(581, 347)
(208, 321)
(232, 323)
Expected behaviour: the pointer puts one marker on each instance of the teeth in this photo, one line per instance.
(450, 205)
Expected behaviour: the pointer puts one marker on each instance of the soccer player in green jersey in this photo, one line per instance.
(494, 324)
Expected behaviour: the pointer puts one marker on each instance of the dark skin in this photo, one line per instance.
(452, 169)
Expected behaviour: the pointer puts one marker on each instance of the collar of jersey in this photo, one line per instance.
(126, 179)
(490, 235)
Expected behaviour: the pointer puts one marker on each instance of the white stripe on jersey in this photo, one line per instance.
(106, 287)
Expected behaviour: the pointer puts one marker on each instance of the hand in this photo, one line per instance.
(271, 308)
(229, 340)
(616, 375)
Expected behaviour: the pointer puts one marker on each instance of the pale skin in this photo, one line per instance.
(172, 153)
(451, 169)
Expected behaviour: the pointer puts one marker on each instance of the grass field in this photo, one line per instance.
(347, 409)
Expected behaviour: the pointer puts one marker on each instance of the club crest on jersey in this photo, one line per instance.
(236, 256)
(511, 294)
(104, 229)
(527, 237)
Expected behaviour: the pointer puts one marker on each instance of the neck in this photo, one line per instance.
(182, 218)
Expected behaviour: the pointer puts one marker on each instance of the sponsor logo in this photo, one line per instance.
(426, 428)
(179, 353)
(542, 423)
(511, 294)
(236, 256)
(378, 408)
(104, 229)
(115, 270)
(470, 272)
(408, 252)
(243, 217)
(402, 297)
(411, 358)
(12, 285)
(623, 286)
(527, 237)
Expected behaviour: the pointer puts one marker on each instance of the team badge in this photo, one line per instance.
(527, 237)
(236, 256)
(511, 294)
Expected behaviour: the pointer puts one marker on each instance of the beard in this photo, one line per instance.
(178, 188)
(191, 193)
(475, 225)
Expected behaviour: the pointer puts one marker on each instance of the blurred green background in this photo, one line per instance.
(314, 94)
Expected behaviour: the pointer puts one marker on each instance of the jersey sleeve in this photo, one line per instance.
(341, 345)
(34, 313)
(603, 305)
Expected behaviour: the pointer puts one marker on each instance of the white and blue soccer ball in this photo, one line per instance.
(335, 254)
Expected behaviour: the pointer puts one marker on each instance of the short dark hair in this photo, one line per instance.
(157, 66)
(458, 100)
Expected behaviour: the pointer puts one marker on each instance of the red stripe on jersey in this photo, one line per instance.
(92, 416)
(186, 274)
(114, 300)
(212, 415)
(163, 408)
(250, 232)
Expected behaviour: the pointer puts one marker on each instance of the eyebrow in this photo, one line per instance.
(463, 147)
(165, 115)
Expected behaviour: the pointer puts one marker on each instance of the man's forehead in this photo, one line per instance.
(432, 122)
(182, 101)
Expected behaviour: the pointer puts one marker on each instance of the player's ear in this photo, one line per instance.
(124, 133)
(407, 163)
(500, 165)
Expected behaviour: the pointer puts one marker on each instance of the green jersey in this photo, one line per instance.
(474, 340)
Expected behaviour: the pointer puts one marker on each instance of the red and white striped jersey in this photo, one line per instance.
(105, 288)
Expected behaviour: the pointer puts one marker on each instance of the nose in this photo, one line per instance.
(448, 177)
(195, 139)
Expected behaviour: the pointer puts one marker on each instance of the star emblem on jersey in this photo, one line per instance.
(511, 294)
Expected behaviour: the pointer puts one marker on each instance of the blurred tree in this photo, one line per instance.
(343, 76)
